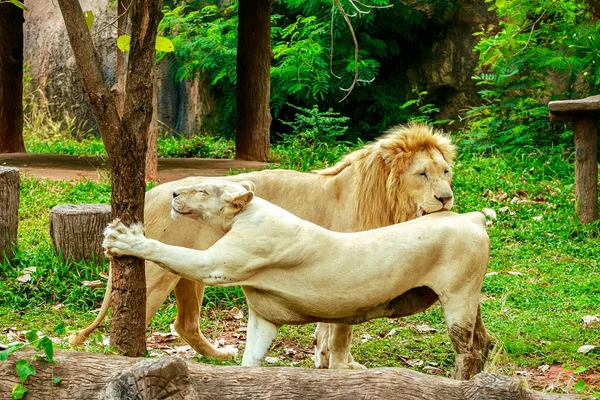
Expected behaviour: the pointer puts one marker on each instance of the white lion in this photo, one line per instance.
(404, 174)
(295, 272)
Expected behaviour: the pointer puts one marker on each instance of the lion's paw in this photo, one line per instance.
(350, 365)
(120, 240)
(229, 352)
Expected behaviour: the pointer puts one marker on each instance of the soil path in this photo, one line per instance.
(61, 167)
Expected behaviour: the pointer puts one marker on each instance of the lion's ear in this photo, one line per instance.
(240, 201)
(249, 185)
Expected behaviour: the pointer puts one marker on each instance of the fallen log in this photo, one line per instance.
(99, 376)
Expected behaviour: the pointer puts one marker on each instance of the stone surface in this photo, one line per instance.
(182, 105)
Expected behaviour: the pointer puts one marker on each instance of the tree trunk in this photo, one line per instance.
(11, 79)
(77, 230)
(152, 152)
(125, 138)
(10, 183)
(253, 80)
(98, 376)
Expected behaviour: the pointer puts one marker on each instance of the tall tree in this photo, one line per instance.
(11, 79)
(253, 80)
(125, 139)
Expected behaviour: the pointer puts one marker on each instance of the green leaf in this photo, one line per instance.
(32, 336)
(580, 370)
(11, 349)
(60, 329)
(123, 42)
(164, 44)
(579, 386)
(46, 345)
(500, 3)
(89, 18)
(18, 4)
(24, 369)
(56, 381)
(19, 391)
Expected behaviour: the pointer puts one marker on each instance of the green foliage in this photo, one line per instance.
(306, 69)
(425, 112)
(312, 143)
(23, 367)
(542, 50)
(16, 3)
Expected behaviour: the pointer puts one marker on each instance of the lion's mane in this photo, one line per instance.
(380, 166)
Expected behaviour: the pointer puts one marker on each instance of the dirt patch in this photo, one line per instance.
(64, 167)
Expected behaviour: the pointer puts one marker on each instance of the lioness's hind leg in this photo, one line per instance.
(159, 284)
(189, 300)
(461, 315)
(261, 334)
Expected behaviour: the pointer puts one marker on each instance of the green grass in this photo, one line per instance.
(535, 316)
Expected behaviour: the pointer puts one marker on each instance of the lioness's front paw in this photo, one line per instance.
(120, 240)
(350, 365)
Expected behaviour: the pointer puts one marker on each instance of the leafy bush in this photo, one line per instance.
(313, 142)
(306, 69)
(543, 50)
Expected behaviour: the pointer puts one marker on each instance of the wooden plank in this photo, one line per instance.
(586, 169)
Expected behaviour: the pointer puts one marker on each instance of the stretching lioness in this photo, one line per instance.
(295, 272)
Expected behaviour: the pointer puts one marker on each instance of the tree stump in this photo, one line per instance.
(10, 183)
(100, 376)
(77, 230)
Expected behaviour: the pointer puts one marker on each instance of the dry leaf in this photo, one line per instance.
(503, 210)
(488, 223)
(489, 213)
(590, 320)
(414, 362)
(366, 337)
(543, 368)
(537, 218)
(390, 333)
(492, 273)
(30, 270)
(93, 284)
(586, 348)
(516, 273)
(104, 275)
(236, 313)
(424, 328)
(271, 360)
(24, 278)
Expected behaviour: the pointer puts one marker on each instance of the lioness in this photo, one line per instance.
(295, 272)
(403, 175)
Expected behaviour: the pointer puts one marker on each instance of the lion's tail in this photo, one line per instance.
(77, 338)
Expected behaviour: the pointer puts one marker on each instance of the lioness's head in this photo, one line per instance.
(214, 201)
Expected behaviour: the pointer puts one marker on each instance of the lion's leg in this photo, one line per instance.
(321, 343)
(340, 338)
(159, 284)
(259, 338)
(189, 299)
(460, 313)
(481, 339)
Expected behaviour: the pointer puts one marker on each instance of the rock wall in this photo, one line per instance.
(446, 73)
(53, 70)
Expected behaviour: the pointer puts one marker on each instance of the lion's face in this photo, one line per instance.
(212, 200)
(428, 183)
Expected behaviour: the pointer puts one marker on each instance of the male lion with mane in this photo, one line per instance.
(403, 175)
(295, 272)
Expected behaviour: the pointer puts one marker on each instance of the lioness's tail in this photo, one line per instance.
(77, 338)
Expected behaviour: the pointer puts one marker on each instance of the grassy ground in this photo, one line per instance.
(544, 277)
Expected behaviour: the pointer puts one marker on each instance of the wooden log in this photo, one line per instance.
(586, 169)
(10, 183)
(77, 230)
(99, 376)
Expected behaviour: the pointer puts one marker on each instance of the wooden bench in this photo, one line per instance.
(584, 114)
